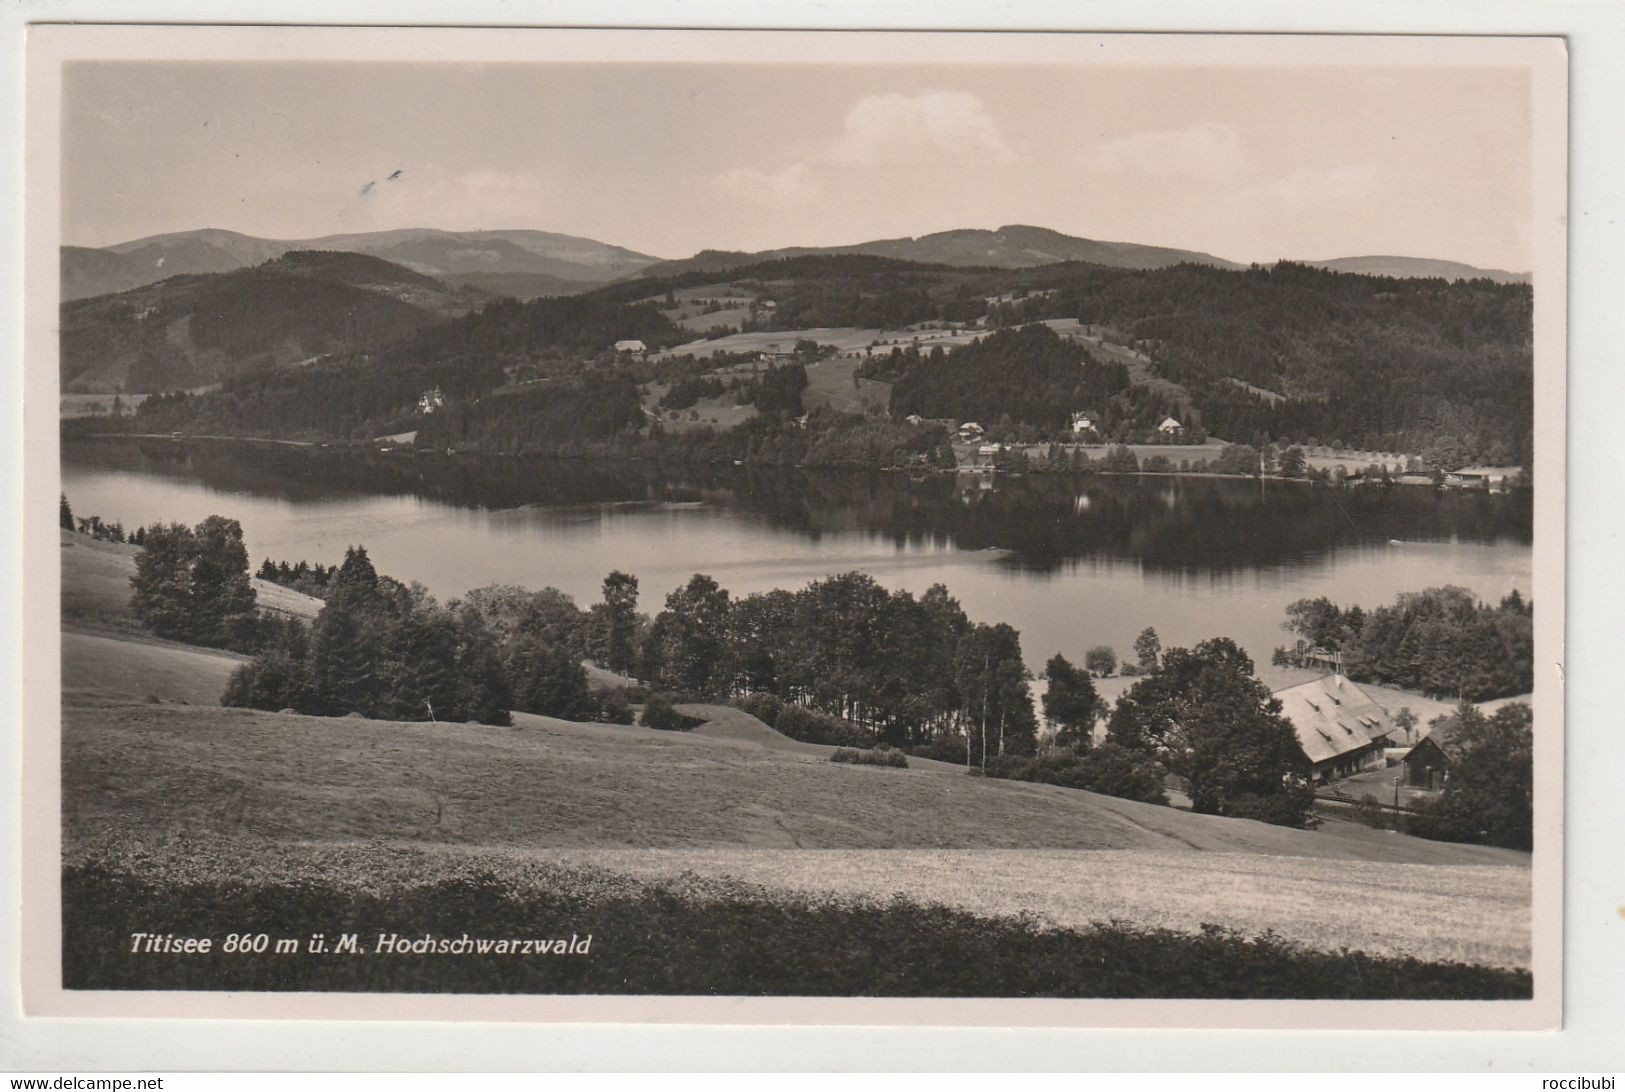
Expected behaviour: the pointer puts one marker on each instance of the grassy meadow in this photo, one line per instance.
(727, 859)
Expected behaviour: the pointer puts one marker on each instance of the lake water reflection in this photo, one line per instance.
(1071, 562)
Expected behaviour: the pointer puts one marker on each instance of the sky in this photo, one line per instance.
(1247, 163)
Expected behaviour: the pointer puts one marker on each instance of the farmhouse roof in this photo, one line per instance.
(1332, 716)
(631, 345)
(1169, 423)
(1444, 731)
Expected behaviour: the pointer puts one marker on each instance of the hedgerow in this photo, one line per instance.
(714, 937)
(879, 756)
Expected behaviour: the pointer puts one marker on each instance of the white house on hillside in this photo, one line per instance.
(970, 431)
(1082, 422)
(431, 400)
(1170, 427)
(631, 345)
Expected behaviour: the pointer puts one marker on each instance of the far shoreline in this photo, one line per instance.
(409, 449)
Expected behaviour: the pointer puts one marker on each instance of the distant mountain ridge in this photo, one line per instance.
(1389, 265)
(553, 263)
(199, 328)
(1015, 246)
(529, 263)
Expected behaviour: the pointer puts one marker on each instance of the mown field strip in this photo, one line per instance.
(1469, 913)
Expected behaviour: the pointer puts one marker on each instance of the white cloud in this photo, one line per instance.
(1207, 150)
(498, 185)
(878, 129)
(899, 128)
(1314, 185)
(428, 194)
(791, 188)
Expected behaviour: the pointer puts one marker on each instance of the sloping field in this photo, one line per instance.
(725, 722)
(1389, 910)
(722, 805)
(103, 667)
(550, 783)
(96, 587)
(830, 383)
(700, 320)
(847, 339)
(723, 412)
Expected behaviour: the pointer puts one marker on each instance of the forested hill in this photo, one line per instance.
(516, 348)
(1027, 375)
(1372, 362)
(1286, 353)
(193, 330)
(1014, 246)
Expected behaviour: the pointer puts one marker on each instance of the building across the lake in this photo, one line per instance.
(631, 345)
(1170, 427)
(1340, 727)
(1492, 478)
(431, 400)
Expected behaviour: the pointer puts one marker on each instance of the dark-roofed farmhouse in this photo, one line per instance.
(1340, 727)
(1427, 765)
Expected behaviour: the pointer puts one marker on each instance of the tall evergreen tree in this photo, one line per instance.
(621, 620)
(1148, 649)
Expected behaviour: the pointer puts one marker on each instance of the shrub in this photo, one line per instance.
(763, 706)
(1108, 769)
(809, 727)
(1101, 660)
(660, 712)
(613, 707)
(875, 756)
(944, 748)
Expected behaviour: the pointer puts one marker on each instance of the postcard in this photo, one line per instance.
(794, 527)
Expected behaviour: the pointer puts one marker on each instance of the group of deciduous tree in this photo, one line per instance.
(1441, 641)
(191, 584)
(1489, 796)
(1204, 714)
(911, 671)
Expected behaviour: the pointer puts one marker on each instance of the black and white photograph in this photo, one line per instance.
(568, 518)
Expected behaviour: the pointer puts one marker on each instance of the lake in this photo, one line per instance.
(1071, 562)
